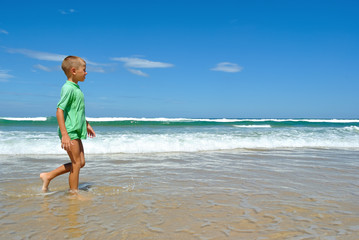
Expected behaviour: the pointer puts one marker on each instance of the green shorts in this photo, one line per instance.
(75, 135)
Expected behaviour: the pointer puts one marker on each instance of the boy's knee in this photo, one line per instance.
(82, 164)
(76, 167)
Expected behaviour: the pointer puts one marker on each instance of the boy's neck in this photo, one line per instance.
(72, 80)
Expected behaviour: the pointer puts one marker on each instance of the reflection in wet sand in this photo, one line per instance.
(308, 194)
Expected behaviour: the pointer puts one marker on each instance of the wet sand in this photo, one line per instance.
(277, 194)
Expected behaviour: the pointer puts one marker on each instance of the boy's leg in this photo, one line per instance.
(76, 154)
(46, 177)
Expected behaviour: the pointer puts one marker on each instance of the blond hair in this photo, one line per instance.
(71, 62)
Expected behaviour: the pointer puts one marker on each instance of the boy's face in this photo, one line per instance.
(81, 73)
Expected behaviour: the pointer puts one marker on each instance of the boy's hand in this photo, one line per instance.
(90, 132)
(66, 142)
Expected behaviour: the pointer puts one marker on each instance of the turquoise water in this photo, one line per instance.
(147, 135)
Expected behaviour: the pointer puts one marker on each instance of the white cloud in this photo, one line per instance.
(142, 63)
(3, 31)
(58, 68)
(137, 72)
(135, 62)
(4, 76)
(88, 62)
(38, 55)
(227, 67)
(49, 56)
(95, 69)
(43, 68)
(65, 12)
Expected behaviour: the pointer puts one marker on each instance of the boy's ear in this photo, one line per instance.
(73, 70)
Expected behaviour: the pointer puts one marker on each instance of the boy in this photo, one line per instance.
(73, 126)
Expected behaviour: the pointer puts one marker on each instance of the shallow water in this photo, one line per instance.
(238, 194)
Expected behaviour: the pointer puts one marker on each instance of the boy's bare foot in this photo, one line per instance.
(75, 194)
(45, 182)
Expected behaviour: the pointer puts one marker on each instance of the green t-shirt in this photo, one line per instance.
(72, 102)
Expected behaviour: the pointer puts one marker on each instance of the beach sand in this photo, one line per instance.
(239, 194)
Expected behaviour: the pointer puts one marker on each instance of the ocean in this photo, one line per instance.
(157, 135)
(177, 178)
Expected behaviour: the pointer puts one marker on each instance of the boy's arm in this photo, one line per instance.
(65, 140)
(90, 132)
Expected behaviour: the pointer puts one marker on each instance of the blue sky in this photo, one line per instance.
(208, 59)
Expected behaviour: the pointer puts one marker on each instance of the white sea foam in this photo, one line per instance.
(113, 119)
(24, 118)
(253, 126)
(223, 120)
(163, 119)
(301, 120)
(17, 142)
(352, 128)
